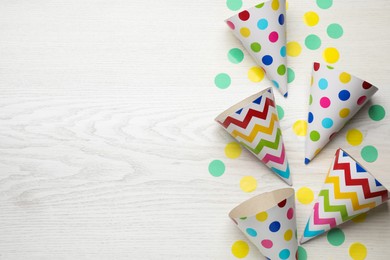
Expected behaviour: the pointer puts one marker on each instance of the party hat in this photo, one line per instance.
(335, 97)
(268, 220)
(349, 191)
(262, 31)
(254, 123)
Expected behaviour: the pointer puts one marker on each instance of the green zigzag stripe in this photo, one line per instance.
(339, 208)
(263, 143)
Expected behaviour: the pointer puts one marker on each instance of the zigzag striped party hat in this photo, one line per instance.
(262, 31)
(349, 191)
(255, 125)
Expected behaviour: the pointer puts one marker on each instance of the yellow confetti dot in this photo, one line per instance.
(331, 55)
(275, 4)
(358, 251)
(311, 81)
(248, 183)
(361, 218)
(300, 127)
(255, 74)
(354, 137)
(344, 112)
(286, 5)
(233, 150)
(345, 77)
(262, 216)
(288, 235)
(311, 18)
(240, 249)
(245, 32)
(293, 49)
(305, 195)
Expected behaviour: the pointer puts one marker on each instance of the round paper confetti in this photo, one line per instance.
(300, 127)
(369, 153)
(331, 55)
(248, 184)
(305, 195)
(324, 4)
(376, 112)
(336, 237)
(240, 249)
(311, 18)
(255, 74)
(354, 137)
(235, 55)
(334, 30)
(233, 150)
(216, 168)
(290, 75)
(312, 42)
(280, 111)
(357, 251)
(360, 218)
(302, 255)
(293, 49)
(222, 80)
(234, 5)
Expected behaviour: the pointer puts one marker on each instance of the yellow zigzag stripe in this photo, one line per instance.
(338, 194)
(258, 128)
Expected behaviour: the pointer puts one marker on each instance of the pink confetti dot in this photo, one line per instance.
(325, 102)
(231, 25)
(290, 213)
(361, 100)
(267, 243)
(273, 36)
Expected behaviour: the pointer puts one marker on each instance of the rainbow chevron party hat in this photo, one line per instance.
(255, 125)
(335, 97)
(349, 191)
(262, 31)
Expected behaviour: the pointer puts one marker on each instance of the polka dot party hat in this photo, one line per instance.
(335, 97)
(349, 190)
(255, 125)
(268, 220)
(262, 31)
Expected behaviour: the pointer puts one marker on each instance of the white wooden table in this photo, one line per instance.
(106, 127)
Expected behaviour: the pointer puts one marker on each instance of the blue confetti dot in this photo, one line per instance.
(262, 24)
(344, 95)
(310, 117)
(267, 60)
(274, 226)
(281, 19)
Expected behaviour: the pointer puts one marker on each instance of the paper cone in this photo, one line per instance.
(268, 220)
(335, 97)
(349, 191)
(262, 31)
(255, 125)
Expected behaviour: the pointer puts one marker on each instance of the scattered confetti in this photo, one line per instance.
(240, 249)
(305, 195)
(369, 153)
(335, 237)
(290, 75)
(234, 5)
(248, 184)
(354, 137)
(312, 42)
(331, 55)
(293, 49)
(302, 255)
(255, 74)
(376, 112)
(233, 150)
(335, 30)
(300, 127)
(324, 4)
(222, 80)
(358, 251)
(217, 168)
(311, 18)
(280, 112)
(235, 55)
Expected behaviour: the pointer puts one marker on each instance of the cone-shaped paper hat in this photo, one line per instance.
(254, 123)
(349, 191)
(335, 97)
(262, 31)
(268, 220)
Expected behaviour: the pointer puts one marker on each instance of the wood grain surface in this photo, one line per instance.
(106, 127)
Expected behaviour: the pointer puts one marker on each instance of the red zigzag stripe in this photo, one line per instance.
(362, 182)
(251, 113)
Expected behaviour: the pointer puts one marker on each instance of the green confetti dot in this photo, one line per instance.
(216, 168)
(222, 80)
(310, 99)
(312, 42)
(376, 112)
(335, 30)
(280, 112)
(369, 153)
(290, 75)
(234, 5)
(302, 255)
(235, 55)
(336, 237)
(324, 4)
(255, 46)
(314, 136)
(282, 70)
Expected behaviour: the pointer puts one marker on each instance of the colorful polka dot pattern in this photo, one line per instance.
(261, 29)
(272, 231)
(335, 97)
